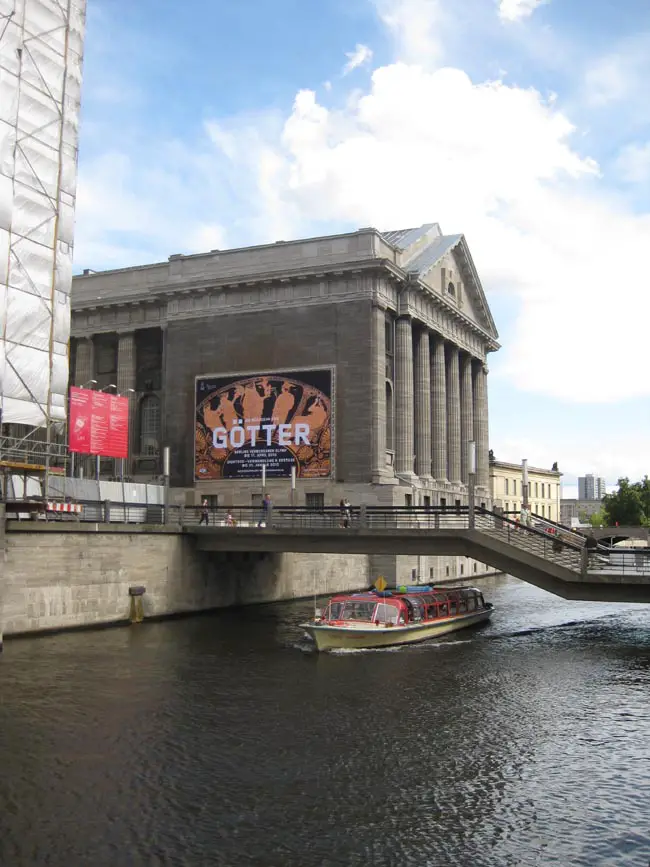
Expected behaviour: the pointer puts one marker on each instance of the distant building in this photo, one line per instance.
(591, 487)
(574, 512)
(506, 481)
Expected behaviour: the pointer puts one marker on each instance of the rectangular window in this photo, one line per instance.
(427, 502)
(443, 502)
(506, 507)
(536, 489)
(390, 337)
(514, 487)
(506, 491)
(543, 495)
(315, 501)
(256, 500)
(542, 508)
(408, 500)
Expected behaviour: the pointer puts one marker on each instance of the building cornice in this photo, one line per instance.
(504, 465)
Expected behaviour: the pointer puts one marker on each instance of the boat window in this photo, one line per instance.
(416, 607)
(357, 611)
(385, 613)
(334, 611)
(443, 609)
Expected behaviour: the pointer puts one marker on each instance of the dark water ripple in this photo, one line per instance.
(222, 741)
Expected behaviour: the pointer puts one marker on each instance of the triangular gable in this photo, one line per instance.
(423, 249)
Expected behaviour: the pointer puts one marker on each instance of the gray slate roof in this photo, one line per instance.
(427, 257)
(403, 238)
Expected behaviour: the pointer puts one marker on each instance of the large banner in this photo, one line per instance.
(276, 420)
(99, 423)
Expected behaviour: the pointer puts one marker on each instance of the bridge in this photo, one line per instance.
(551, 557)
(547, 555)
(616, 534)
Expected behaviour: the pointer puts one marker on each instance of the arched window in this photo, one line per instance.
(150, 425)
(451, 289)
(389, 416)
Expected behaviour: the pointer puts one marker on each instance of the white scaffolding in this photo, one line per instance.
(41, 47)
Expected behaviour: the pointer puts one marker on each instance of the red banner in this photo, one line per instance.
(99, 423)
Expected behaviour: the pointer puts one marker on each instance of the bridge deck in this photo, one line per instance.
(548, 555)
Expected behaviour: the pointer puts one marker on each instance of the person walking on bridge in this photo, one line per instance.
(205, 513)
(266, 508)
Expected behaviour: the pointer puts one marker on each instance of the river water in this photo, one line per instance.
(221, 740)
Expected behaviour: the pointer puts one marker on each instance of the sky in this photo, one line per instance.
(523, 124)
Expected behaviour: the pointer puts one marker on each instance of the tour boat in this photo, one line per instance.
(383, 618)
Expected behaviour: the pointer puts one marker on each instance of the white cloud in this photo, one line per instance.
(621, 455)
(497, 162)
(132, 213)
(516, 10)
(415, 26)
(620, 75)
(633, 163)
(361, 55)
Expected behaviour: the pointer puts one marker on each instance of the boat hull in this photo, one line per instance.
(367, 637)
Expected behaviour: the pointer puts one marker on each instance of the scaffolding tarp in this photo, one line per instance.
(41, 46)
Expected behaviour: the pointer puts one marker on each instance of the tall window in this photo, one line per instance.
(506, 484)
(514, 487)
(389, 416)
(150, 425)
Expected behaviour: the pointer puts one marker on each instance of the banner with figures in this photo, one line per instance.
(278, 420)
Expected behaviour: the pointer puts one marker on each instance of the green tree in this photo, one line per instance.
(598, 519)
(625, 507)
(644, 490)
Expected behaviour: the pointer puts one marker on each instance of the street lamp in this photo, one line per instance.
(86, 384)
(110, 385)
(524, 483)
(471, 480)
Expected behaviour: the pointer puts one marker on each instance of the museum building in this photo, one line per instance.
(359, 360)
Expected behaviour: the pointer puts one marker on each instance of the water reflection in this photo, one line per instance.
(220, 740)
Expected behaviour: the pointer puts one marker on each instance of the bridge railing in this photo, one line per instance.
(561, 548)
(629, 562)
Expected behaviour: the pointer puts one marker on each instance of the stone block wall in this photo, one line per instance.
(336, 334)
(54, 580)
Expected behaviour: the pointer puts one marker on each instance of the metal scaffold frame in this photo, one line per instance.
(41, 49)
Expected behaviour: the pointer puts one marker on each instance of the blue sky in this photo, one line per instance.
(523, 124)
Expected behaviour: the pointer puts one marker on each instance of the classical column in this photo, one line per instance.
(422, 378)
(378, 349)
(466, 414)
(481, 432)
(404, 445)
(453, 415)
(84, 362)
(439, 411)
(126, 380)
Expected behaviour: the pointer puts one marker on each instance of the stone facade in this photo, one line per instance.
(400, 317)
(544, 489)
(99, 568)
